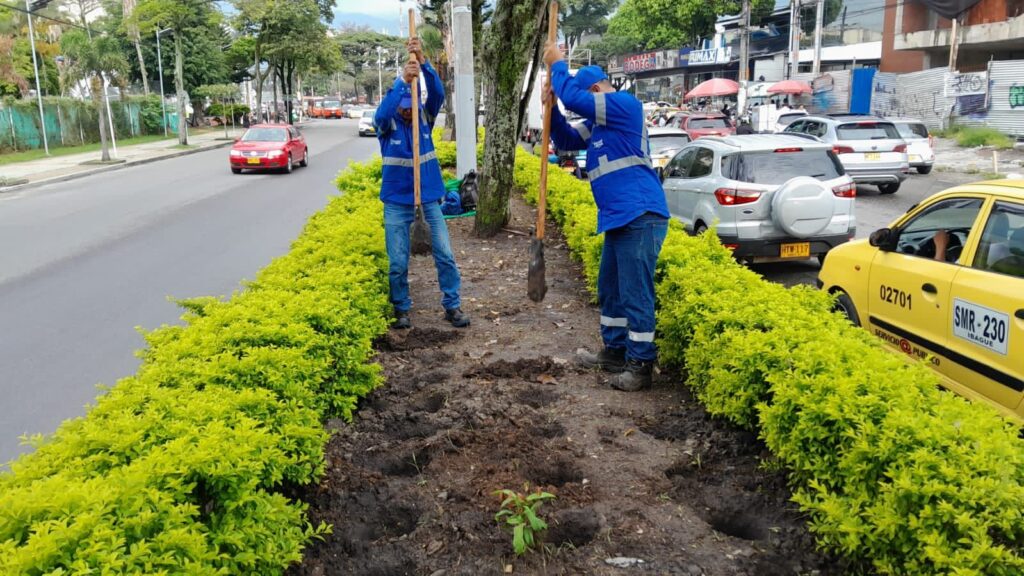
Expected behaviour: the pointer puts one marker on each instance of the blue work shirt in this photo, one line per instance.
(395, 137)
(614, 134)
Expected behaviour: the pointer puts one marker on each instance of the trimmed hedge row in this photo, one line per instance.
(893, 473)
(178, 469)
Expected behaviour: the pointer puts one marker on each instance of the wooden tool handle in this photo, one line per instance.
(545, 138)
(415, 117)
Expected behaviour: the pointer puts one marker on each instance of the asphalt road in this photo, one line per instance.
(84, 262)
(874, 211)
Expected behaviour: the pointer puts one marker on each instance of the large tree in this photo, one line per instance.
(128, 6)
(582, 17)
(359, 51)
(93, 59)
(651, 24)
(510, 44)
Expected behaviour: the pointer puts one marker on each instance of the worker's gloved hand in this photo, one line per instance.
(411, 71)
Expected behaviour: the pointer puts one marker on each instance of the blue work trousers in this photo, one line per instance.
(398, 219)
(625, 285)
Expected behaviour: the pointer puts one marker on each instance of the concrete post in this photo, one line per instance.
(818, 25)
(794, 37)
(465, 88)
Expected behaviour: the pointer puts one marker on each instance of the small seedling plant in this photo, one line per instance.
(519, 512)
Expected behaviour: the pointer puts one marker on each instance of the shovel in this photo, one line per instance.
(420, 230)
(536, 284)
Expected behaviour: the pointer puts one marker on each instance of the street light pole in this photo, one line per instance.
(160, 65)
(380, 81)
(39, 92)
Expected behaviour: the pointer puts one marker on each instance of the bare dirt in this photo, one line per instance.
(646, 476)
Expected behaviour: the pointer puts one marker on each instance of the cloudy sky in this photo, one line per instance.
(377, 14)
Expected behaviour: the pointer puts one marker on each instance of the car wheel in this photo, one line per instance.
(700, 229)
(288, 167)
(236, 170)
(889, 188)
(924, 169)
(305, 159)
(845, 306)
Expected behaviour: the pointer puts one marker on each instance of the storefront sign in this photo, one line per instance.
(614, 64)
(823, 83)
(640, 63)
(1016, 96)
(709, 57)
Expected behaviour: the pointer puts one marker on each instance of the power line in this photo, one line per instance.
(37, 15)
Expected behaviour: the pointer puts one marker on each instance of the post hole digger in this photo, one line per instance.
(420, 232)
(536, 283)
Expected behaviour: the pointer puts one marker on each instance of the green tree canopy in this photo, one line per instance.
(651, 24)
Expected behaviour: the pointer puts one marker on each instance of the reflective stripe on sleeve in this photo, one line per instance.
(641, 336)
(601, 108)
(605, 168)
(407, 162)
(613, 322)
(583, 131)
(645, 143)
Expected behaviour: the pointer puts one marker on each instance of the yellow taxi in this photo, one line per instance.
(945, 283)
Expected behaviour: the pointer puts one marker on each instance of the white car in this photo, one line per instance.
(772, 197)
(786, 118)
(366, 127)
(665, 143)
(919, 143)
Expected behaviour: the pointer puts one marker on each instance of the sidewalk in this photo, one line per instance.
(949, 157)
(60, 168)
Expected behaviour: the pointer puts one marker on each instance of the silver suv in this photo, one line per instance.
(773, 197)
(871, 149)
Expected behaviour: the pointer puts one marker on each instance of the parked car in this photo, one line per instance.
(870, 148)
(665, 143)
(920, 144)
(366, 127)
(787, 118)
(269, 147)
(772, 197)
(697, 125)
(961, 309)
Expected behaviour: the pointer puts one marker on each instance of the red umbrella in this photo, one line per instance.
(790, 87)
(713, 87)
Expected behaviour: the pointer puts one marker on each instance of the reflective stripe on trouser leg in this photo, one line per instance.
(636, 249)
(613, 319)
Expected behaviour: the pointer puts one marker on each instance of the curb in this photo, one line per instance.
(84, 173)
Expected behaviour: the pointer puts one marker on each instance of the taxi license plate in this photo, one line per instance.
(253, 161)
(797, 250)
(873, 156)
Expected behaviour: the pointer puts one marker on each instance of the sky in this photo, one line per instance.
(381, 15)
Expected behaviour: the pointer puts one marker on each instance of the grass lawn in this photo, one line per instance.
(28, 155)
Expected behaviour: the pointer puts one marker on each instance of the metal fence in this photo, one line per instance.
(69, 122)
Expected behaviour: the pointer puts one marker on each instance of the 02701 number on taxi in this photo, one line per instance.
(980, 325)
(896, 296)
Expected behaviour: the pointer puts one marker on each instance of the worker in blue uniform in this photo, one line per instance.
(632, 213)
(393, 122)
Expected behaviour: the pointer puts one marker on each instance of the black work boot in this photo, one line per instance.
(636, 376)
(456, 317)
(608, 359)
(401, 321)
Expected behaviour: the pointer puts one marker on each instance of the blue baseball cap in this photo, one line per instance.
(406, 101)
(589, 75)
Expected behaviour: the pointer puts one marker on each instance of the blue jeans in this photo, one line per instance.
(398, 220)
(625, 285)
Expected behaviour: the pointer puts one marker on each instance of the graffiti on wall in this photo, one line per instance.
(966, 84)
(1016, 96)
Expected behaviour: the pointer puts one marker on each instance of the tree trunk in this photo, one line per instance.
(259, 85)
(142, 65)
(289, 68)
(507, 50)
(275, 71)
(179, 88)
(97, 97)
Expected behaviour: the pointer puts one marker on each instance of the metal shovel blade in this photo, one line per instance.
(420, 234)
(536, 284)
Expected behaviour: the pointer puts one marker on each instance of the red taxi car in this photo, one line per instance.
(269, 147)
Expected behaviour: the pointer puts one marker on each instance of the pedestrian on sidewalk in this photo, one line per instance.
(632, 213)
(393, 122)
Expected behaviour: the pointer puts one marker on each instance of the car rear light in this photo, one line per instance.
(867, 124)
(781, 150)
(842, 149)
(900, 148)
(731, 247)
(734, 197)
(848, 190)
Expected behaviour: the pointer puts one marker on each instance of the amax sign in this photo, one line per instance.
(712, 56)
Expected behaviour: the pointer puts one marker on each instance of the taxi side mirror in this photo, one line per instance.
(882, 239)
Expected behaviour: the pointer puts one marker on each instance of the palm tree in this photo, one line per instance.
(90, 59)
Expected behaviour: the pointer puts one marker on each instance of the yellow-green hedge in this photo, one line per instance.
(177, 469)
(893, 472)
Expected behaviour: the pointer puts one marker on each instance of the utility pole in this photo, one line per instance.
(465, 88)
(39, 91)
(380, 81)
(745, 44)
(794, 37)
(818, 25)
(160, 66)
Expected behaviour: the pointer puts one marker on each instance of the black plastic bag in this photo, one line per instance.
(468, 191)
